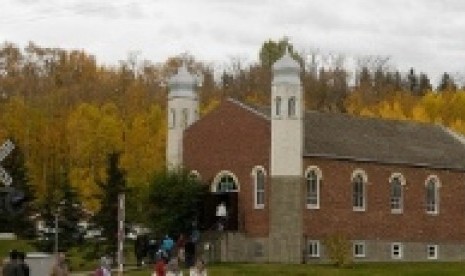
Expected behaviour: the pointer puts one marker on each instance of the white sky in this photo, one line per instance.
(428, 35)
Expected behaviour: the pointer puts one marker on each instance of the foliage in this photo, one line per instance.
(106, 217)
(19, 223)
(338, 249)
(174, 197)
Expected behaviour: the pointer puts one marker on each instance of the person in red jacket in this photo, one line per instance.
(160, 267)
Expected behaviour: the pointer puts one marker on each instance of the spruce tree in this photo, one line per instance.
(70, 212)
(19, 223)
(108, 213)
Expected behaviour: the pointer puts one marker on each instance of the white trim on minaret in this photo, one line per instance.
(182, 110)
(286, 118)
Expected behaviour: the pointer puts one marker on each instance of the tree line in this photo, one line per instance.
(68, 113)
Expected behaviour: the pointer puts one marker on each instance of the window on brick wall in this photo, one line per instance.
(313, 177)
(397, 181)
(432, 251)
(225, 181)
(359, 180)
(258, 175)
(359, 249)
(313, 249)
(396, 250)
(432, 195)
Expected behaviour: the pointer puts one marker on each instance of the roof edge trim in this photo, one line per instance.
(248, 108)
(368, 160)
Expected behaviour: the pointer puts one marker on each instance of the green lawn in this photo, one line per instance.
(358, 269)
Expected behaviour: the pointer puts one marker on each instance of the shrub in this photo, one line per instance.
(338, 249)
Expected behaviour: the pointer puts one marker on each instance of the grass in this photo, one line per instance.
(80, 263)
(81, 258)
(375, 269)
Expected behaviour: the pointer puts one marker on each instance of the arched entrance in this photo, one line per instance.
(223, 189)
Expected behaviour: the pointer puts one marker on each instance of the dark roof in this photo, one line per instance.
(342, 136)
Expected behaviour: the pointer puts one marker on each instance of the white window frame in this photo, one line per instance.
(314, 244)
(435, 248)
(278, 109)
(291, 107)
(185, 118)
(403, 182)
(361, 244)
(437, 186)
(400, 251)
(194, 174)
(364, 177)
(172, 118)
(255, 172)
(220, 175)
(319, 177)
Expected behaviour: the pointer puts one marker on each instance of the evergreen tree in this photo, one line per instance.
(447, 83)
(70, 212)
(20, 222)
(425, 84)
(108, 213)
(412, 82)
(175, 196)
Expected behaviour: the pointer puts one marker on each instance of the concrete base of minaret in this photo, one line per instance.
(286, 232)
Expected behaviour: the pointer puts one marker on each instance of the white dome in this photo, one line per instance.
(182, 84)
(286, 70)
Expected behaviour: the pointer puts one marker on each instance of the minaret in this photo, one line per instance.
(286, 118)
(286, 201)
(183, 110)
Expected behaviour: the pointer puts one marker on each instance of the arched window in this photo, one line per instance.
(278, 106)
(397, 181)
(172, 118)
(185, 117)
(225, 181)
(313, 179)
(359, 180)
(432, 195)
(258, 174)
(291, 107)
(195, 175)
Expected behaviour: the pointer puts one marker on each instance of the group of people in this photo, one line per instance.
(168, 256)
(16, 265)
(172, 268)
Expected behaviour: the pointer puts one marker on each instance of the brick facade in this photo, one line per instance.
(236, 139)
(377, 222)
(232, 138)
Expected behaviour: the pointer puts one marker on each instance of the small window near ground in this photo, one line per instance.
(314, 249)
(432, 252)
(396, 250)
(359, 249)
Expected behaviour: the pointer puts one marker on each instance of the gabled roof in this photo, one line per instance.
(346, 137)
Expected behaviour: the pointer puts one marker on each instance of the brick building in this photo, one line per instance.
(395, 189)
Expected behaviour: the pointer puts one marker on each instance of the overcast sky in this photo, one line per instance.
(428, 35)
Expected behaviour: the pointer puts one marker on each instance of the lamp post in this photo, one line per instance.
(56, 214)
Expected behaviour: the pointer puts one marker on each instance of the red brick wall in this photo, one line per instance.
(235, 139)
(377, 222)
